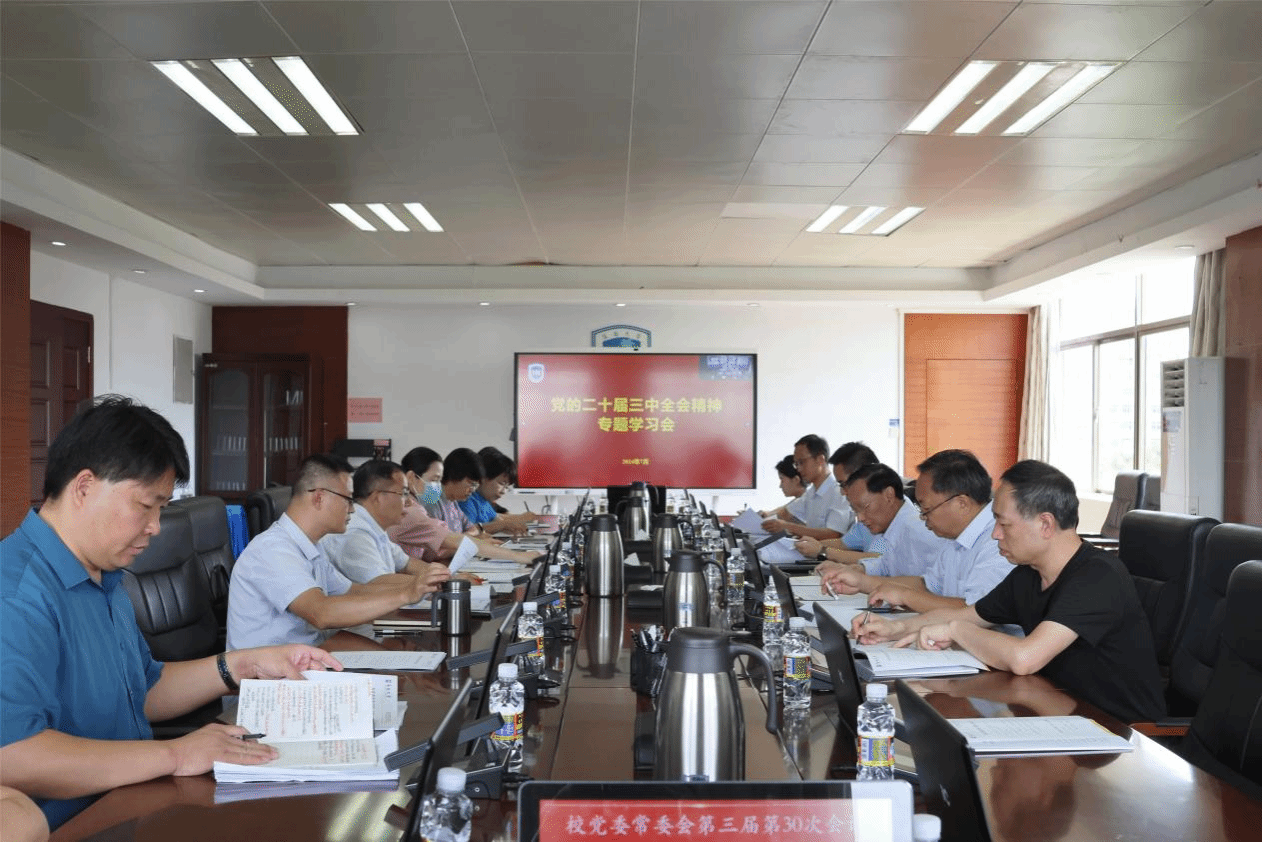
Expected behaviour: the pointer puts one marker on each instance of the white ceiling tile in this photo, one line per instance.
(726, 27)
(651, 172)
(376, 26)
(844, 77)
(192, 30)
(1069, 151)
(43, 31)
(431, 117)
(812, 149)
(910, 177)
(399, 77)
(946, 29)
(731, 116)
(1113, 120)
(843, 116)
(785, 195)
(555, 75)
(1173, 82)
(1070, 31)
(668, 78)
(680, 193)
(891, 196)
(541, 26)
(930, 150)
(692, 144)
(1242, 112)
(806, 175)
(1009, 177)
(1217, 32)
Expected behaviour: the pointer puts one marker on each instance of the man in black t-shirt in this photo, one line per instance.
(1085, 629)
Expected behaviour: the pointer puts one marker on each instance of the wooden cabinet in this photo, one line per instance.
(254, 422)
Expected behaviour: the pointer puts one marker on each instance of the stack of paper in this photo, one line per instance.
(391, 659)
(322, 727)
(750, 522)
(1040, 735)
(918, 663)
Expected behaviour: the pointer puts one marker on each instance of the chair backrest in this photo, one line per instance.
(168, 589)
(1226, 735)
(211, 541)
(265, 506)
(1128, 491)
(1163, 552)
(1151, 498)
(1196, 652)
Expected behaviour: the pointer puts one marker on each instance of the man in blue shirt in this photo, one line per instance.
(481, 507)
(80, 685)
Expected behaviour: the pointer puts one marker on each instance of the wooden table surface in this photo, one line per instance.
(585, 731)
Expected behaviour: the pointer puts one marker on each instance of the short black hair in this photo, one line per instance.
(815, 445)
(496, 462)
(372, 475)
(1038, 487)
(877, 477)
(852, 456)
(318, 469)
(462, 464)
(955, 472)
(418, 459)
(117, 439)
(786, 468)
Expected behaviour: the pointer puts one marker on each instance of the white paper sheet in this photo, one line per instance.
(391, 660)
(1039, 734)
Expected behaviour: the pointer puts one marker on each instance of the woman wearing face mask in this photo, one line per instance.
(429, 538)
(481, 506)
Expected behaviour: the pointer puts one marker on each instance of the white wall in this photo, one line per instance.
(446, 373)
(133, 327)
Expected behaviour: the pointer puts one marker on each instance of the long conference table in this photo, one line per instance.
(585, 729)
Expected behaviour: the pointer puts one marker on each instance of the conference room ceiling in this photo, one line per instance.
(704, 133)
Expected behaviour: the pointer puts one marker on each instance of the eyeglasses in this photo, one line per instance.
(403, 493)
(858, 510)
(350, 501)
(924, 513)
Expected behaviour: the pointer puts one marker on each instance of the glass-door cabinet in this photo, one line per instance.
(254, 422)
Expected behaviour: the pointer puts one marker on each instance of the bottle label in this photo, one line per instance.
(771, 612)
(876, 751)
(796, 667)
(511, 730)
(538, 650)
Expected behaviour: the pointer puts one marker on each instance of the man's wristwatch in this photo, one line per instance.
(822, 555)
(222, 663)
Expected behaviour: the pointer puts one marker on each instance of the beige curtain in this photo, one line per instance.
(1208, 339)
(1037, 409)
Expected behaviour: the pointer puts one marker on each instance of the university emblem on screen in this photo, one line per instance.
(622, 336)
(534, 372)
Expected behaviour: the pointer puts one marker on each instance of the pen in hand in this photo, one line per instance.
(252, 736)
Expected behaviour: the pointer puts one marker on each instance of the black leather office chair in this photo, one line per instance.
(264, 507)
(1128, 493)
(1226, 735)
(1163, 552)
(1150, 500)
(170, 593)
(213, 545)
(1196, 652)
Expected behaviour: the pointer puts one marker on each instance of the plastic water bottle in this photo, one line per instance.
(772, 626)
(447, 813)
(735, 577)
(508, 699)
(876, 736)
(555, 582)
(530, 627)
(797, 666)
(714, 572)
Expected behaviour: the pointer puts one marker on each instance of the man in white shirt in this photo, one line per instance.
(953, 492)
(822, 511)
(364, 551)
(875, 493)
(284, 588)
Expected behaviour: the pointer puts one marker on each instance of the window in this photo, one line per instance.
(1116, 331)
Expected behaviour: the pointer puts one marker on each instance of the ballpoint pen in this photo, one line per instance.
(253, 736)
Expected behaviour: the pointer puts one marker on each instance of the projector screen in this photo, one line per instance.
(595, 419)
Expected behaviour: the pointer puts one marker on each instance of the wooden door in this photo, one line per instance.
(61, 379)
(963, 381)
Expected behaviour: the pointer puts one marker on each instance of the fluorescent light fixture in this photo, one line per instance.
(896, 221)
(199, 291)
(826, 218)
(484, 304)
(58, 243)
(387, 216)
(350, 303)
(1026, 78)
(249, 84)
(191, 85)
(139, 271)
(862, 219)
(352, 216)
(620, 304)
(951, 96)
(296, 70)
(423, 216)
(1061, 97)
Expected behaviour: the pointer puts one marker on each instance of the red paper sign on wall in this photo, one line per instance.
(363, 410)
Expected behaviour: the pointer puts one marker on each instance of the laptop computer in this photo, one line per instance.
(847, 691)
(435, 753)
(946, 767)
(840, 811)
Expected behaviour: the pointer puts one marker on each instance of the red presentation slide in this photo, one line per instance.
(595, 419)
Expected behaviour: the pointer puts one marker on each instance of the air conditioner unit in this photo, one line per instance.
(1192, 431)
